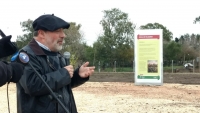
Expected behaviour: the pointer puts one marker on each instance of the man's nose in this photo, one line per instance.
(62, 35)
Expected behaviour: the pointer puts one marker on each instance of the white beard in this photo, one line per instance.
(58, 47)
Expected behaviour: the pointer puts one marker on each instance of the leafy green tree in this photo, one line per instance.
(101, 52)
(173, 51)
(167, 35)
(197, 19)
(89, 54)
(74, 42)
(189, 46)
(28, 34)
(176, 40)
(198, 40)
(116, 41)
(181, 39)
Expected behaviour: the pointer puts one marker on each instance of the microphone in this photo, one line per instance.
(67, 57)
(24, 59)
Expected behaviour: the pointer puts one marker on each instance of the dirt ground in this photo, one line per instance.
(117, 93)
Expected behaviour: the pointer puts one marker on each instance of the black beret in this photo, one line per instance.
(50, 23)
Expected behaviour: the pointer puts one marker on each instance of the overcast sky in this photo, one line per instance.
(176, 15)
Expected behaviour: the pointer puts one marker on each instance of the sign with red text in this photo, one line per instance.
(148, 57)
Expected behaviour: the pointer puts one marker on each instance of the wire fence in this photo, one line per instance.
(190, 66)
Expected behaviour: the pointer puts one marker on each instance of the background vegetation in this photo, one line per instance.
(114, 48)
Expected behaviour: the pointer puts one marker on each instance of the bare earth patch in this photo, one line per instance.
(118, 94)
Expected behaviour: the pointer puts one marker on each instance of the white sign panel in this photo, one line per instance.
(148, 57)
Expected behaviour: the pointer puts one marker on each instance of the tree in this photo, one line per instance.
(193, 39)
(89, 54)
(167, 35)
(28, 34)
(197, 19)
(176, 40)
(189, 46)
(198, 42)
(173, 51)
(116, 41)
(74, 42)
(181, 40)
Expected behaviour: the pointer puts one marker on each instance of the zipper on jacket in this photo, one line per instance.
(51, 65)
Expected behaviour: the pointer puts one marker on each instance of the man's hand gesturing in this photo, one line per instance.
(70, 69)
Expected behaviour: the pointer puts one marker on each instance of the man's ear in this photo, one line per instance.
(41, 33)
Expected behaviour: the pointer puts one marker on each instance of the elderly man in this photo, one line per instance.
(43, 50)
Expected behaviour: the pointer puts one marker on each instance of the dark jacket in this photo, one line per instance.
(32, 94)
(5, 73)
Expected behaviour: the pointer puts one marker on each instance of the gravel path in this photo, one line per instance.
(125, 97)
